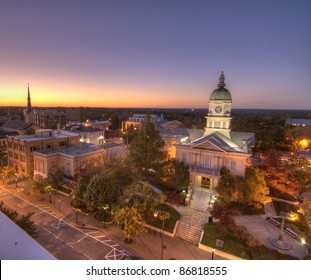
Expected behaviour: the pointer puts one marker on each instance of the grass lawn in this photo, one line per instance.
(237, 248)
(231, 244)
(169, 224)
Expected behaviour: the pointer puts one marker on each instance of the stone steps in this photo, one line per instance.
(188, 233)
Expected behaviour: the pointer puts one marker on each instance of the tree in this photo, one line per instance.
(224, 213)
(23, 221)
(78, 200)
(130, 220)
(39, 186)
(143, 198)
(147, 149)
(7, 171)
(301, 172)
(253, 191)
(56, 179)
(226, 186)
(138, 202)
(100, 191)
(176, 174)
(3, 158)
(250, 191)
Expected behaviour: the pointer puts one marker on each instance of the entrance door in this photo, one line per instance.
(205, 182)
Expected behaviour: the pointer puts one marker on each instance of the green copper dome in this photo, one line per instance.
(221, 93)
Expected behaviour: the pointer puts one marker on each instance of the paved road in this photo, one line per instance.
(58, 232)
(67, 240)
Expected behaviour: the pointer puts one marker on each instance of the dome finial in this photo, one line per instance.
(221, 80)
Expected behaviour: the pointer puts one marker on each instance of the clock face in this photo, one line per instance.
(218, 109)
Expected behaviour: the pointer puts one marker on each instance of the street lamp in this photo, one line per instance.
(16, 180)
(105, 208)
(280, 243)
(76, 216)
(213, 251)
(3, 179)
(59, 205)
(162, 216)
(50, 196)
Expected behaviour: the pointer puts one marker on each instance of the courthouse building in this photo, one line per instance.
(207, 150)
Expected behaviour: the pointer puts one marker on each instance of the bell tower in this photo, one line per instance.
(219, 109)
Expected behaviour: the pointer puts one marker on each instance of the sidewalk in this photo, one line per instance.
(146, 246)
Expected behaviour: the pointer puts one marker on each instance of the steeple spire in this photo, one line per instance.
(221, 80)
(28, 101)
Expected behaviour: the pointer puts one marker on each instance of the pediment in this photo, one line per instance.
(207, 145)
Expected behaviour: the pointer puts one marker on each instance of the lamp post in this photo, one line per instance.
(59, 205)
(3, 179)
(105, 208)
(50, 196)
(279, 242)
(76, 216)
(16, 180)
(213, 251)
(162, 216)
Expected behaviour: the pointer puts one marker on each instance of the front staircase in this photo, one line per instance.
(188, 232)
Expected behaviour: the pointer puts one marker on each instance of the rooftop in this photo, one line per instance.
(298, 121)
(55, 135)
(81, 149)
(16, 244)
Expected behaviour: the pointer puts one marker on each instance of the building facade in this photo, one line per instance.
(207, 151)
(20, 148)
(70, 160)
(137, 120)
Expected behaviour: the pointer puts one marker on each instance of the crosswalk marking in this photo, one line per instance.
(24, 204)
(58, 224)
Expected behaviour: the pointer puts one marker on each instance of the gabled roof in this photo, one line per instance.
(217, 141)
(207, 143)
(172, 124)
(14, 124)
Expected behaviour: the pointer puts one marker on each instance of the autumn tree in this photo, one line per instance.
(224, 213)
(39, 186)
(301, 172)
(141, 201)
(250, 191)
(7, 171)
(130, 220)
(146, 151)
(253, 191)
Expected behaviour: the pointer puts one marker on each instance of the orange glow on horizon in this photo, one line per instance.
(109, 96)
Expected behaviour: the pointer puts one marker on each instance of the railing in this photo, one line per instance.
(204, 170)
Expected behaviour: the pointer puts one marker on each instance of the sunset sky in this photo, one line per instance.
(164, 53)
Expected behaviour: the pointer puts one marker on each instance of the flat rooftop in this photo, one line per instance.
(55, 135)
(81, 149)
(16, 244)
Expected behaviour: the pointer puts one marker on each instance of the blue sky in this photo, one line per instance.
(155, 53)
